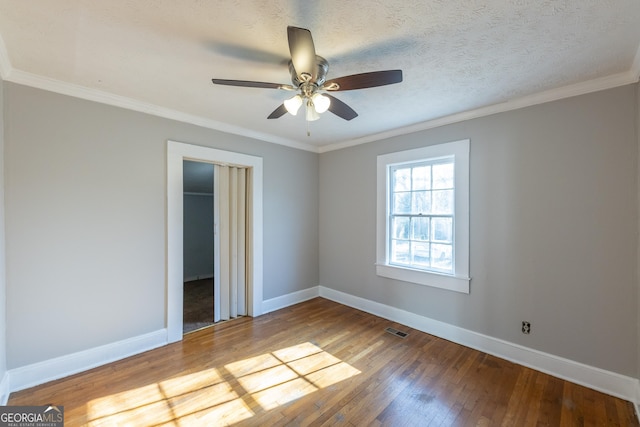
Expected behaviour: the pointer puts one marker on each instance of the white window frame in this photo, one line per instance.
(459, 280)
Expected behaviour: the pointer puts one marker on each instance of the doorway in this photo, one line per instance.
(177, 153)
(198, 245)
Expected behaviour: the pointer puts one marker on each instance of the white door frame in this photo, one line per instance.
(177, 152)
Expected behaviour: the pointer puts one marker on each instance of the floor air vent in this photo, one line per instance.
(397, 332)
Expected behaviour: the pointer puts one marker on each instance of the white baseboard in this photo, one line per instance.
(283, 301)
(4, 389)
(60, 367)
(612, 383)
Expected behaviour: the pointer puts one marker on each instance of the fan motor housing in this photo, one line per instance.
(322, 69)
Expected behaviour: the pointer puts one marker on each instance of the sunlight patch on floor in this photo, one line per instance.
(227, 394)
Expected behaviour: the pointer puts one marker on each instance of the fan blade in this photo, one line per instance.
(245, 83)
(303, 52)
(341, 109)
(278, 112)
(364, 80)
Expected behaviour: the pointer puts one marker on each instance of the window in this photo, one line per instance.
(423, 216)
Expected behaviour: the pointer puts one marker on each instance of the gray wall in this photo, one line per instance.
(86, 222)
(198, 236)
(3, 283)
(553, 225)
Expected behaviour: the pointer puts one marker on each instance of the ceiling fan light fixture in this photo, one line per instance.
(308, 74)
(320, 102)
(311, 115)
(293, 104)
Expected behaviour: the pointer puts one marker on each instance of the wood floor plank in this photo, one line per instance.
(626, 417)
(551, 403)
(321, 363)
(520, 398)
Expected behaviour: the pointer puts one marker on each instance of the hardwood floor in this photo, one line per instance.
(321, 363)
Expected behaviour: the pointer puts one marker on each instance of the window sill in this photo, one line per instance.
(426, 278)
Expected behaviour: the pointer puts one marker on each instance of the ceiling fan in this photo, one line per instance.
(308, 75)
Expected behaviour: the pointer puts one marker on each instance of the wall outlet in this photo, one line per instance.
(526, 327)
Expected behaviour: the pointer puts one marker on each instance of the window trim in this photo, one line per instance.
(459, 280)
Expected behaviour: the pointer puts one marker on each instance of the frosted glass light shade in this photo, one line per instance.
(320, 102)
(312, 114)
(292, 105)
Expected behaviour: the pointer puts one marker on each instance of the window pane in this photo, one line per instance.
(421, 178)
(400, 251)
(400, 227)
(420, 253)
(442, 229)
(443, 175)
(402, 203)
(421, 202)
(420, 228)
(402, 179)
(442, 257)
(443, 202)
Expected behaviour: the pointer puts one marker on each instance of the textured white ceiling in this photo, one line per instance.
(456, 56)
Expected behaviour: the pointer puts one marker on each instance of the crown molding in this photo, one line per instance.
(595, 85)
(82, 92)
(28, 79)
